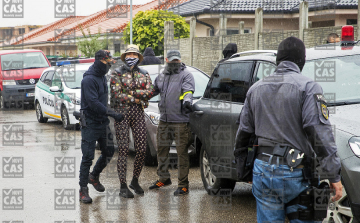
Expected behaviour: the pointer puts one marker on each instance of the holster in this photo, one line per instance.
(245, 158)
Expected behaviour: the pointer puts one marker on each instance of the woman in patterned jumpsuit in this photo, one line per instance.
(131, 88)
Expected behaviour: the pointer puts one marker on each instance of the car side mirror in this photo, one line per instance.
(55, 89)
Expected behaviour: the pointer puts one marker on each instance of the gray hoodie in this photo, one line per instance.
(171, 87)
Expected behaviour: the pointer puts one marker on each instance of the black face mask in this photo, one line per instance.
(101, 68)
(292, 49)
(173, 68)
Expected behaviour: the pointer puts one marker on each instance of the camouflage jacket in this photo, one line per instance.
(123, 81)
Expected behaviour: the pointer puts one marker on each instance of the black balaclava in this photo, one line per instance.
(229, 50)
(291, 49)
(101, 68)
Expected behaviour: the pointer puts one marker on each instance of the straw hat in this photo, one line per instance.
(132, 48)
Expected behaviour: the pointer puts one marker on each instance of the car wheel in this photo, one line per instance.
(210, 181)
(65, 118)
(149, 159)
(3, 103)
(340, 211)
(39, 114)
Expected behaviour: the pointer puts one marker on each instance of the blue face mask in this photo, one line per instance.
(131, 61)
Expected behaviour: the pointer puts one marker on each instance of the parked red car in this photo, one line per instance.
(20, 71)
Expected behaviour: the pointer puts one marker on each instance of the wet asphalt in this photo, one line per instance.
(39, 183)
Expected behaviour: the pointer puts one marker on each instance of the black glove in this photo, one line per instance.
(188, 107)
(117, 116)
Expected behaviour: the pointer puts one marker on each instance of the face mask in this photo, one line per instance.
(101, 67)
(131, 61)
(173, 67)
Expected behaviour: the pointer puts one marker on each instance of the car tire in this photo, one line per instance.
(39, 114)
(210, 181)
(65, 118)
(149, 159)
(3, 104)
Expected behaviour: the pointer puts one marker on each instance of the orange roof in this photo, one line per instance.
(71, 25)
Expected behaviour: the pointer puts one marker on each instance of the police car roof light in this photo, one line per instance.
(347, 33)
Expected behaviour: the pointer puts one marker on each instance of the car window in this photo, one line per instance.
(23, 61)
(339, 77)
(264, 70)
(48, 78)
(231, 81)
(56, 81)
(42, 78)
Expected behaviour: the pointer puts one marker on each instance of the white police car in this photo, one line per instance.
(58, 92)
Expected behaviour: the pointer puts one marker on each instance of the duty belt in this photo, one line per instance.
(281, 155)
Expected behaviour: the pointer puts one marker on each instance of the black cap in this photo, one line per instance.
(103, 55)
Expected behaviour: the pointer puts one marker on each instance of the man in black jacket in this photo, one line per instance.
(149, 57)
(94, 100)
(228, 51)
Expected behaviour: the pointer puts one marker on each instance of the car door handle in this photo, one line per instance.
(199, 112)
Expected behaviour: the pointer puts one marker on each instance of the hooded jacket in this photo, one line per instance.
(94, 93)
(228, 51)
(171, 87)
(149, 57)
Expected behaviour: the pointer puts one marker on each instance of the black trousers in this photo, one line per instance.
(100, 132)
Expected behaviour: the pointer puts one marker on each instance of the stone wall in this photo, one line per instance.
(207, 51)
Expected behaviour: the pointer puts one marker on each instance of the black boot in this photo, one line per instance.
(135, 186)
(125, 192)
(84, 195)
(96, 183)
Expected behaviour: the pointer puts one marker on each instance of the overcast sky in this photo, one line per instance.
(41, 12)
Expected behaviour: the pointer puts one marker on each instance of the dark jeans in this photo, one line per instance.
(100, 132)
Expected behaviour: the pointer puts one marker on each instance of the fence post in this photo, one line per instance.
(168, 34)
(222, 33)
(258, 25)
(192, 35)
(303, 18)
(241, 27)
(358, 24)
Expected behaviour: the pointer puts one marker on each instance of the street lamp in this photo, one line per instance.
(130, 21)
